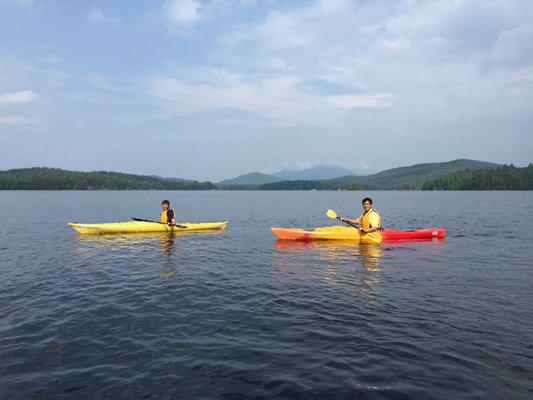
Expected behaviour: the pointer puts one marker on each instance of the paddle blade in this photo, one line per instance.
(331, 214)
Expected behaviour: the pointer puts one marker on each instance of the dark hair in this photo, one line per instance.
(165, 202)
(367, 199)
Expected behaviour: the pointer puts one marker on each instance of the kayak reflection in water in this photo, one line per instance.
(167, 215)
(371, 254)
(370, 223)
(167, 245)
(168, 269)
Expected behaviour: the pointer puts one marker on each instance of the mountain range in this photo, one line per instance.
(412, 176)
(403, 178)
(314, 173)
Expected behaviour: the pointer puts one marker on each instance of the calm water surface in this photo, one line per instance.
(237, 315)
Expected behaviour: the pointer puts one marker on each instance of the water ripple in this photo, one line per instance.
(237, 315)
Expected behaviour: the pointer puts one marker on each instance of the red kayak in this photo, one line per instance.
(419, 233)
(349, 233)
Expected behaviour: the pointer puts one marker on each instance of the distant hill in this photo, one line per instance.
(315, 173)
(170, 179)
(506, 177)
(412, 177)
(253, 178)
(453, 175)
(59, 179)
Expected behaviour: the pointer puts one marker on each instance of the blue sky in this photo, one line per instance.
(214, 89)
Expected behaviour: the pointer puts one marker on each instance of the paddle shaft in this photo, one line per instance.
(157, 222)
(348, 222)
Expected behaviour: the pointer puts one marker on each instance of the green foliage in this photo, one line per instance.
(408, 186)
(326, 184)
(238, 187)
(423, 176)
(293, 185)
(354, 185)
(58, 179)
(411, 177)
(404, 178)
(506, 177)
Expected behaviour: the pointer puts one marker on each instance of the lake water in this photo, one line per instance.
(237, 315)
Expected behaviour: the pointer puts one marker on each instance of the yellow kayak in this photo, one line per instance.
(141, 226)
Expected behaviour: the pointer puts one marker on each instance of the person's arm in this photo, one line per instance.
(170, 217)
(356, 221)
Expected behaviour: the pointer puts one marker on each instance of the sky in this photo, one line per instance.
(209, 90)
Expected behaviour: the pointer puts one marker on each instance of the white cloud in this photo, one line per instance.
(181, 12)
(350, 101)
(282, 30)
(22, 97)
(276, 63)
(17, 120)
(279, 99)
(97, 16)
(362, 167)
(288, 165)
(298, 165)
(103, 82)
(17, 2)
(394, 45)
(50, 59)
(430, 57)
(515, 46)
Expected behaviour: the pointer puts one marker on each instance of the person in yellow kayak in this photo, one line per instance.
(167, 213)
(370, 223)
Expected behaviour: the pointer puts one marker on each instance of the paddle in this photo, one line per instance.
(157, 222)
(332, 214)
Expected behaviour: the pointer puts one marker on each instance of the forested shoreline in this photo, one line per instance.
(58, 179)
(505, 177)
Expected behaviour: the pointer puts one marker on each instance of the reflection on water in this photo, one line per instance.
(336, 253)
(158, 248)
(167, 243)
(234, 316)
(122, 245)
(340, 250)
(333, 253)
(168, 269)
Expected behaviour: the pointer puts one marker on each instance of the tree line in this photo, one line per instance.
(506, 177)
(326, 184)
(58, 179)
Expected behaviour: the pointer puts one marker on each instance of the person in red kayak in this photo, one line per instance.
(370, 223)
(167, 215)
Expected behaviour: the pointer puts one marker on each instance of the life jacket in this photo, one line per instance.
(164, 216)
(365, 220)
